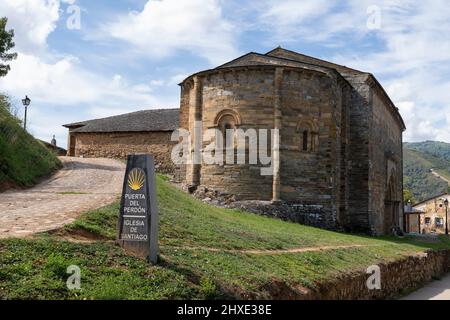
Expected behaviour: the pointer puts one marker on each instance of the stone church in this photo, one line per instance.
(340, 147)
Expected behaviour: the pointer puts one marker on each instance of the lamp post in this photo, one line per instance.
(446, 216)
(26, 102)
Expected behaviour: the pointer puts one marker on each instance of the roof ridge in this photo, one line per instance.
(85, 122)
(275, 57)
(311, 57)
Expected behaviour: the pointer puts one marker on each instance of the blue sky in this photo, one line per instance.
(129, 55)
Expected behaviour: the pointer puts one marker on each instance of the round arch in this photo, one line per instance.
(309, 136)
(228, 113)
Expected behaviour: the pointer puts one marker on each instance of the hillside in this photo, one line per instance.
(206, 252)
(419, 160)
(23, 159)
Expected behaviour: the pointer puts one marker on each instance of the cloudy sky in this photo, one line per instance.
(81, 59)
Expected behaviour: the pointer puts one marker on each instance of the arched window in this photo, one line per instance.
(305, 140)
(225, 121)
(308, 137)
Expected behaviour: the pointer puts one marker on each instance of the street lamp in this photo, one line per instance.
(446, 216)
(26, 102)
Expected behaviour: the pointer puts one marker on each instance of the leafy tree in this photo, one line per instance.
(408, 195)
(6, 44)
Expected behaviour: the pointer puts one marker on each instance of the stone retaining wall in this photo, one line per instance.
(397, 279)
(311, 215)
(307, 214)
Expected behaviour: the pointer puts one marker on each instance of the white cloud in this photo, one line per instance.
(68, 88)
(66, 83)
(286, 20)
(164, 28)
(62, 88)
(411, 55)
(171, 81)
(416, 60)
(31, 20)
(292, 12)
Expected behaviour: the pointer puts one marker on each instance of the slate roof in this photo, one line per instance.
(140, 121)
(283, 57)
(296, 56)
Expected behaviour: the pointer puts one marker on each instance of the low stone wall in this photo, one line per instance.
(397, 278)
(307, 214)
(120, 145)
(311, 215)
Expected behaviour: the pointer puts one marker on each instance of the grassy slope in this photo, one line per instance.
(22, 159)
(36, 268)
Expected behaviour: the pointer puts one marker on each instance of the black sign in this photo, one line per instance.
(138, 221)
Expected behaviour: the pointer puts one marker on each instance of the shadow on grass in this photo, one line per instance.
(209, 288)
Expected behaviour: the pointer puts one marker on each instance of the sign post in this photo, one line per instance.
(138, 219)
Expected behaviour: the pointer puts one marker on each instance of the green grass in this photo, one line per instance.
(189, 268)
(23, 160)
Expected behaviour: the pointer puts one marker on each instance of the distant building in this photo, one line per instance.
(433, 218)
(53, 147)
(146, 131)
(412, 219)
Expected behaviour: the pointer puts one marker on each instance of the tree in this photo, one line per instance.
(408, 195)
(6, 44)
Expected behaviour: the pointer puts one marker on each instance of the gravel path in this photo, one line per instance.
(82, 185)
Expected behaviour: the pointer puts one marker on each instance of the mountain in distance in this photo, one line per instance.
(426, 168)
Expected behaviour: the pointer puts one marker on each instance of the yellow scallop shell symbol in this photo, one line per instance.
(136, 179)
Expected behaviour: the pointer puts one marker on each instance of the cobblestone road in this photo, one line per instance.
(83, 184)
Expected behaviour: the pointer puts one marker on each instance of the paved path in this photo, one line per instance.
(436, 290)
(83, 184)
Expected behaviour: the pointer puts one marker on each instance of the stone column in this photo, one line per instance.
(276, 185)
(196, 132)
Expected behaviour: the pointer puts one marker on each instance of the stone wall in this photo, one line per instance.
(248, 94)
(386, 160)
(357, 219)
(433, 209)
(119, 145)
(309, 99)
(313, 101)
(352, 162)
(397, 279)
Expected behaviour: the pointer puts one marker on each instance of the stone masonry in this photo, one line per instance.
(147, 131)
(119, 145)
(340, 138)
